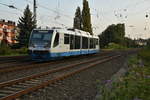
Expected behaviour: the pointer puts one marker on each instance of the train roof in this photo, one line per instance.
(72, 31)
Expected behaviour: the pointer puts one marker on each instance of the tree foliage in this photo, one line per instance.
(78, 19)
(3, 43)
(82, 19)
(148, 43)
(114, 33)
(26, 24)
(86, 17)
(130, 43)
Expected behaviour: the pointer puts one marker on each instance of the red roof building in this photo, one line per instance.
(8, 31)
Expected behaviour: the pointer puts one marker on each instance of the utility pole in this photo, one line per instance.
(34, 11)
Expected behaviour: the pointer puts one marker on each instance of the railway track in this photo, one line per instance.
(15, 88)
(12, 59)
(30, 65)
(16, 63)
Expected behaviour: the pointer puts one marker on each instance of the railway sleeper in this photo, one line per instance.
(13, 88)
(26, 84)
(3, 95)
(6, 91)
(38, 82)
(38, 78)
(19, 86)
(33, 82)
(41, 79)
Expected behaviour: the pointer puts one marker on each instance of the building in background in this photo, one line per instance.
(8, 31)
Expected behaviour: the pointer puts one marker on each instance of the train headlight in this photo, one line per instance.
(32, 45)
(47, 46)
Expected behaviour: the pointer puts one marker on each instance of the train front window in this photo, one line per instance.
(41, 37)
(37, 36)
(47, 37)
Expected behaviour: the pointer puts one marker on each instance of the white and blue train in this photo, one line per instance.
(47, 44)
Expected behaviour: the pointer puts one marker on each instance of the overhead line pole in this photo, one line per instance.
(34, 11)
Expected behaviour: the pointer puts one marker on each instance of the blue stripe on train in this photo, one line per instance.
(71, 53)
(50, 56)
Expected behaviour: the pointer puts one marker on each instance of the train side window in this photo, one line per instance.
(96, 41)
(91, 43)
(72, 41)
(66, 38)
(56, 41)
(77, 42)
(84, 43)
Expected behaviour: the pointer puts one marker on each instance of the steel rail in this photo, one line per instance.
(15, 68)
(18, 67)
(8, 83)
(12, 59)
(12, 56)
(61, 77)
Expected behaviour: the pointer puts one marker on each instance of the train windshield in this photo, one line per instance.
(41, 37)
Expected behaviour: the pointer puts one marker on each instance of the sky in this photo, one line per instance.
(60, 13)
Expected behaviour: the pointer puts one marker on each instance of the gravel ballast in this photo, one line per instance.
(42, 67)
(82, 86)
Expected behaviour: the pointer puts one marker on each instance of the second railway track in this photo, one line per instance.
(15, 88)
(5, 59)
(34, 64)
(13, 61)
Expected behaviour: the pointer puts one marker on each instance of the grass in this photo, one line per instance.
(145, 55)
(114, 46)
(135, 85)
(7, 51)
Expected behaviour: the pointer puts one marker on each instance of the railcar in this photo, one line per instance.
(48, 44)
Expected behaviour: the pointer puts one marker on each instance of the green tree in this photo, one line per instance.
(86, 17)
(26, 24)
(148, 43)
(78, 19)
(119, 33)
(114, 33)
(130, 43)
(3, 43)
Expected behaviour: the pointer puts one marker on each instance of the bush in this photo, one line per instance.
(6, 50)
(135, 85)
(23, 50)
(115, 46)
(145, 55)
(16, 46)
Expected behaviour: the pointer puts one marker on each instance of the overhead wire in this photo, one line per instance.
(119, 11)
(53, 10)
(145, 15)
(122, 13)
(11, 6)
(49, 9)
